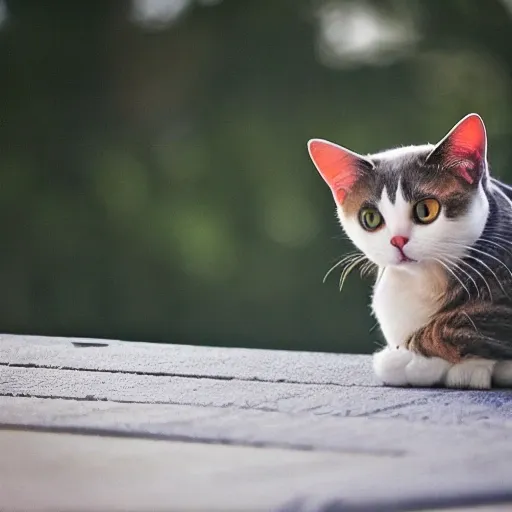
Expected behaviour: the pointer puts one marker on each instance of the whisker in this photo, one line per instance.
(502, 239)
(367, 268)
(341, 237)
(380, 273)
(375, 325)
(454, 275)
(482, 277)
(470, 320)
(498, 189)
(349, 269)
(468, 248)
(379, 343)
(486, 240)
(449, 260)
(491, 256)
(490, 270)
(348, 257)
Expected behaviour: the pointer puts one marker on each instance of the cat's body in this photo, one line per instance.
(438, 229)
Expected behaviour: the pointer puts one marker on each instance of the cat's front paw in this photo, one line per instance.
(389, 365)
(426, 371)
(471, 374)
(401, 367)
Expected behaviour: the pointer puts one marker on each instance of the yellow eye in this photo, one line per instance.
(426, 211)
(370, 219)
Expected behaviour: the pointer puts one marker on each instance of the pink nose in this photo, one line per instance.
(399, 241)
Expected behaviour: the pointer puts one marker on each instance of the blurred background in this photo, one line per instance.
(154, 178)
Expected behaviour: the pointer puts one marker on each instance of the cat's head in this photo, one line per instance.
(413, 204)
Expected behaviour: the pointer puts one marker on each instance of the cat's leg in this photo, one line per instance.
(397, 366)
(502, 374)
(472, 374)
(464, 338)
(455, 337)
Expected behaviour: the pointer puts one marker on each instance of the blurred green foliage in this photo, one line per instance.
(154, 178)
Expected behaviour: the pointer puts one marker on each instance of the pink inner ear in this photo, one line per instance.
(469, 136)
(466, 145)
(337, 166)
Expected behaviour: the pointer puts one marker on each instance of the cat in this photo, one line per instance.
(438, 229)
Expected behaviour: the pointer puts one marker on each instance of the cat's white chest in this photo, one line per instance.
(403, 301)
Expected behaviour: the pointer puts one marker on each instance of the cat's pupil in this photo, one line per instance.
(370, 219)
(424, 211)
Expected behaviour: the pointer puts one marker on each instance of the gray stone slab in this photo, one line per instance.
(42, 472)
(243, 364)
(121, 387)
(383, 464)
(387, 437)
(408, 448)
(419, 405)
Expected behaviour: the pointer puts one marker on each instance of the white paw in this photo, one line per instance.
(426, 371)
(400, 367)
(473, 374)
(502, 374)
(389, 365)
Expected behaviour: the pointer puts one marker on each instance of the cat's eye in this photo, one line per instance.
(370, 219)
(426, 210)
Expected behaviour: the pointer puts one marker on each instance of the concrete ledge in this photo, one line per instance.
(310, 431)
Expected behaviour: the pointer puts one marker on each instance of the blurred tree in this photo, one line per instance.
(154, 179)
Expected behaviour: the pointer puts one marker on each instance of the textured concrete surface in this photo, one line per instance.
(186, 361)
(100, 474)
(106, 474)
(352, 444)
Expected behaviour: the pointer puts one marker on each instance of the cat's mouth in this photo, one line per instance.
(404, 258)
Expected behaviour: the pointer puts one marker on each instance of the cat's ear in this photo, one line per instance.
(464, 149)
(339, 167)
